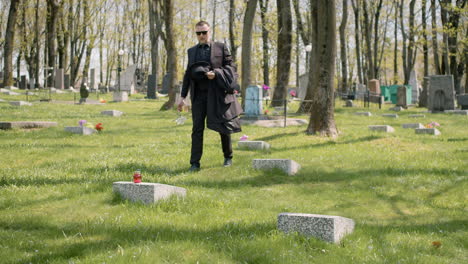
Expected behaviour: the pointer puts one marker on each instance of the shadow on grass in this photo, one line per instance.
(275, 177)
(228, 238)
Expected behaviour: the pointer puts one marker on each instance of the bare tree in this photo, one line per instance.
(247, 46)
(154, 26)
(51, 22)
(167, 11)
(232, 36)
(284, 51)
(435, 45)
(322, 121)
(424, 36)
(409, 48)
(266, 50)
(9, 43)
(343, 51)
(357, 22)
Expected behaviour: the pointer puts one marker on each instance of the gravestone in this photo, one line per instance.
(27, 124)
(20, 103)
(81, 130)
(349, 103)
(457, 112)
(151, 93)
(462, 101)
(374, 86)
(424, 92)
(127, 80)
(253, 101)
(430, 131)
(397, 108)
(441, 93)
(361, 91)
(363, 113)
(32, 84)
(23, 82)
(302, 89)
(413, 81)
(112, 113)
(417, 116)
(146, 193)
(59, 79)
(8, 92)
(166, 84)
(92, 80)
(261, 145)
(325, 227)
(382, 128)
(401, 96)
(275, 123)
(413, 125)
(390, 115)
(66, 81)
(288, 166)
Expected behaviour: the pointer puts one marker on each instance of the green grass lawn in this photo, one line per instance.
(404, 191)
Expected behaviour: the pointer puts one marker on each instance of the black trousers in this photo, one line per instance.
(199, 111)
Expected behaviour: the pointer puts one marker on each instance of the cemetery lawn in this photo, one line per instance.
(406, 192)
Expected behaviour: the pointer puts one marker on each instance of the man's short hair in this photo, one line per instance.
(202, 23)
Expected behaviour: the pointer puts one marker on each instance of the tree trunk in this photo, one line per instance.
(424, 35)
(377, 39)
(232, 36)
(395, 50)
(322, 121)
(367, 35)
(9, 44)
(435, 42)
(52, 10)
(266, 56)
(356, 9)
(453, 29)
(284, 52)
(247, 46)
(168, 13)
(154, 38)
(343, 52)
(445, 51)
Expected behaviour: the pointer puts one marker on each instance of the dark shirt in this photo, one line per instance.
(203, 54)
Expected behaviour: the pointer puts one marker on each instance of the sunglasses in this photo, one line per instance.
(201, 32)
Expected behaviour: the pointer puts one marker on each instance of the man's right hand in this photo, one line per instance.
(180, 105)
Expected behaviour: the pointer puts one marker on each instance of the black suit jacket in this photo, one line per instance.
(220, 57)
(223, 108)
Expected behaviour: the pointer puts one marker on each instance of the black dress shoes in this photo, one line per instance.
(227, 162)
(194, 167)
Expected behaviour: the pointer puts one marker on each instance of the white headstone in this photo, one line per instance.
(253, 101)
(146, 192)
(127, 79)
(382, 128)
(413, 81)
(289, 166)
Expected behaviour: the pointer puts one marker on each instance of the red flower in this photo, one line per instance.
(436, 244)
(99, 127)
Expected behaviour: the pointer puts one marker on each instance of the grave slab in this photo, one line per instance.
(20, 103)
(261, 145)
(80, 130)
(382, 128)
(112, 113)
(397, 109)
(430, 131)
(390, 115)
(146, 193)
(413, 125)
(417, 116)
(10, 93)
(288, 166)
(457, 112)
(325, 227)
(27, 124)
(363, 113)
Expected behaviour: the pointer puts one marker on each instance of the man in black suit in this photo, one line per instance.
(210, 77)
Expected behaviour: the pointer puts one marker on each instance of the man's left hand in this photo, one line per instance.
(211, 75)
